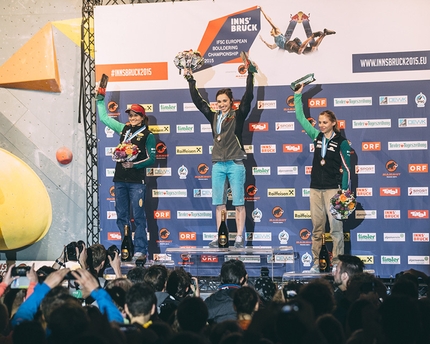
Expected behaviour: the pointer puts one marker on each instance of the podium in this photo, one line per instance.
(206, 261)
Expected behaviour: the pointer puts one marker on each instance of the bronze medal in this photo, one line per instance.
(218, 138)
(322, 162)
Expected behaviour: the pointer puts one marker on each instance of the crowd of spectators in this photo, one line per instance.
(157, 305)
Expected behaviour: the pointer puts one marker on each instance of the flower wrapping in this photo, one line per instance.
(342, 204)
(125, 152)
(189, 59)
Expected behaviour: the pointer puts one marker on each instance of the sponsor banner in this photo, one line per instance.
(244, 258)
(390, 62)
(365, 214)
(418, 260)
(162, 215)
(418, 214)
(187, 236)
(287, 170)
(389, 191)
(159, 172)
(370, 146)
(418, 191)
(392, 214)
(399, 237)
(356, 101)
(260, 126)
(160, 129)
(162, 193)
(193, 214)
(266, 104)
(366, 237)
(281, 192)
(133, 71)
(407, 145)
(185, 128)
(418, 168)
(111, 215)
(393, 100)
(172, 107)
(202, 192)
(364, 192)
(412, 122)
(184, 150)
(364, 169)
(420, 237)
(390, 260)
(114, 236)
(367, 260)
(208, 258)
(259, 236)
(302, 214)
(267, 149)
(261, 171)
(284, 126)
(371, 123)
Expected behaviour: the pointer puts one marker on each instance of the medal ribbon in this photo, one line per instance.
(220, 119)
(126, 138)
(325, 142)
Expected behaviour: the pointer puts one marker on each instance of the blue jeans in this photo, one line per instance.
(235, 173)
(131, 196)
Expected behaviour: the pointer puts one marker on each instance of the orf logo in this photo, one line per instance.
(251, 190)
(305, 234)
(187, 236)
(391, 165)
(277, 212)
(203, 169)
(161, 147)
(164, 233)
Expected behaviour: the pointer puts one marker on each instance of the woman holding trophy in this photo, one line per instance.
(330, 173)
(228, 152)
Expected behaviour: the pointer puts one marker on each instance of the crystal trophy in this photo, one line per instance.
(306, 80)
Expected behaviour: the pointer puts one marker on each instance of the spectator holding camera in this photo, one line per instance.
(89, 286)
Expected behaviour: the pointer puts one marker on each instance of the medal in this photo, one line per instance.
(218, 138)
(322, 162)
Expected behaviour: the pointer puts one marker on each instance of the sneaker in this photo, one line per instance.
(238, 243)
(250, 66)
(214, 243)
(329, 32)
(315, 269)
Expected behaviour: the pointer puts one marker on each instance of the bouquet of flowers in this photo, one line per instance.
(188, 59)
(342, 204)
(125, 151)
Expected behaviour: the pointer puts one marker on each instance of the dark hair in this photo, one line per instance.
(332, 117)
(227, 92)
(350, 264)
(97, 254)
(178, 283)
(140, 299)
(232, 272)
(137, 274)
(192, 314)
(319, 294)
(244, 300)
(56, 297)
(156, 277)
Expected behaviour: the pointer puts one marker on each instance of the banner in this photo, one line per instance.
(377, 88)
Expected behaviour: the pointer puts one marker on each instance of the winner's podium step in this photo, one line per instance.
(230, 250)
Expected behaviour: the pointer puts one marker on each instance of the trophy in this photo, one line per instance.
(188, 59)
(102, 86)
(306, 80)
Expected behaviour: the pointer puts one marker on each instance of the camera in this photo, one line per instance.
(20, 270)
(71, 250)
(110, 252)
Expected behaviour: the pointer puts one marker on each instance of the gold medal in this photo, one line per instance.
(322, 162)
(218, 138)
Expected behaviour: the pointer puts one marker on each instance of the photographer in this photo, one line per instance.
(89, 286)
